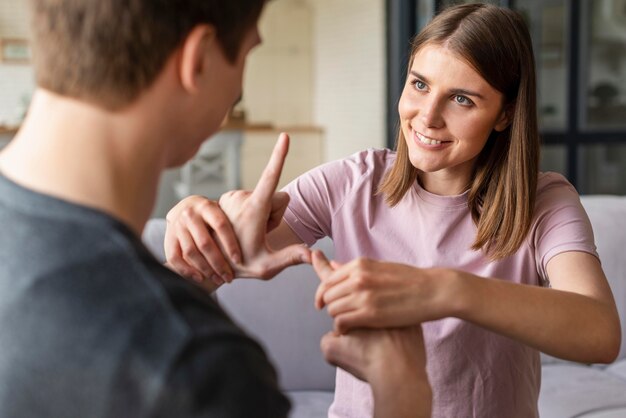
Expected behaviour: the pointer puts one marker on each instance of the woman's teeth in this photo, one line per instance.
(426, 140)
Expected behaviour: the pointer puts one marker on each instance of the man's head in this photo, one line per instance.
(107, 52)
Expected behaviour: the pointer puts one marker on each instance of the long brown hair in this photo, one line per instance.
(495, 41)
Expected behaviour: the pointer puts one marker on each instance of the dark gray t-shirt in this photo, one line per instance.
(91, 325)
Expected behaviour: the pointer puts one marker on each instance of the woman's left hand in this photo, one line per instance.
(374, 294)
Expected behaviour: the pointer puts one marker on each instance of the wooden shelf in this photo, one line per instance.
(268, 127)
(5, 130)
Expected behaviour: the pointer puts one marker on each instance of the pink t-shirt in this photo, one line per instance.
(473, 372)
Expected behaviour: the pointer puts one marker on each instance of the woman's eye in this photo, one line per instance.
(419, 85)
(462, 100)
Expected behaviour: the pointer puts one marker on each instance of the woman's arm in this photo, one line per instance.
(575, 320)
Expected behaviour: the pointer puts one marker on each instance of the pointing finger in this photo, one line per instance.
(271, 174)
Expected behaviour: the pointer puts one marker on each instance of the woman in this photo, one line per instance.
(496, 260)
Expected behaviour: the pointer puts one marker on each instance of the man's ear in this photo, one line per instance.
(193, 55)
(505, 118)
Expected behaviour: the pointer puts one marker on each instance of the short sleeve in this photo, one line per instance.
(316, 196)
(222, 376)
(561, 223)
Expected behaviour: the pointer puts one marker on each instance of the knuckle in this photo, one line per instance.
(173, 257)
(188, 252)
(205, 244)
(361, 263)
(369, 297)
(340, 323)
(264, 270)
(219, 223)
(206, 205)
(360, 281)
(187, 214)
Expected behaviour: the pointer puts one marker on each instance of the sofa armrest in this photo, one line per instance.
(153, 236)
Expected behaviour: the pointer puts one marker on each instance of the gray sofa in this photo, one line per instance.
(280, 314)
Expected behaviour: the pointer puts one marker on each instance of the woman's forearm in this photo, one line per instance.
(560, 323)
(407, 396)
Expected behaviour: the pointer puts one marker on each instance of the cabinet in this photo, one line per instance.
(234, 159)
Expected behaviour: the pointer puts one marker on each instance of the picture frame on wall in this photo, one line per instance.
(15, 51)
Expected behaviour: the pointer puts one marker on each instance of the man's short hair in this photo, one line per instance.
(108, 51)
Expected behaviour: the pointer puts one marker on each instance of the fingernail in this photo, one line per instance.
(217, 279)
(236, 259)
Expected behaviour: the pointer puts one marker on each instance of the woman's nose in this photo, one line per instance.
(431, 113)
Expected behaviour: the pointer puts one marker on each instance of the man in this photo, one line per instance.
(91, 325)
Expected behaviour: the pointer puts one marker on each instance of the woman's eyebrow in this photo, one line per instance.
(459, 91)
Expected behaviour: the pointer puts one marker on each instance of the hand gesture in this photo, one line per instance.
(366, 293)
(392, 360)
(253, 214)
(201, 242)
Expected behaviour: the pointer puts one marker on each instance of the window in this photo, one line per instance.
(580, 50)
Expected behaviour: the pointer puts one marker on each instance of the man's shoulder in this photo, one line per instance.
(115, 317)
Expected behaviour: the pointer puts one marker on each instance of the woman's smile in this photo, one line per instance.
(429, 143)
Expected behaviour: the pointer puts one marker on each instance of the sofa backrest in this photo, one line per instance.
(608, 218)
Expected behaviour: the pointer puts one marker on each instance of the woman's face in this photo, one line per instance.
(447, 111)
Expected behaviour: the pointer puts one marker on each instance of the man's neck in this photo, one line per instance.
(110, 161)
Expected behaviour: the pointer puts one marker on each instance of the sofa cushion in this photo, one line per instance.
(608, 413)
(618, 369)
(570, 390)
(310, 404)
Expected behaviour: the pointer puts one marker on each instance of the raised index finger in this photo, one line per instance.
(271, 174)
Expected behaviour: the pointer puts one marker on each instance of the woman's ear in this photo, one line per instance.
(193, 55)
(505, 118)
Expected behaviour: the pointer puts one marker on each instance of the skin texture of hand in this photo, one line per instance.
(374, 294)
(392, 360)
(195, 226)
(207, 240)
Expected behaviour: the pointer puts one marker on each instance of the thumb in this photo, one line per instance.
(286, 257)
(322, 266)
(324, 269)
(279, 202)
